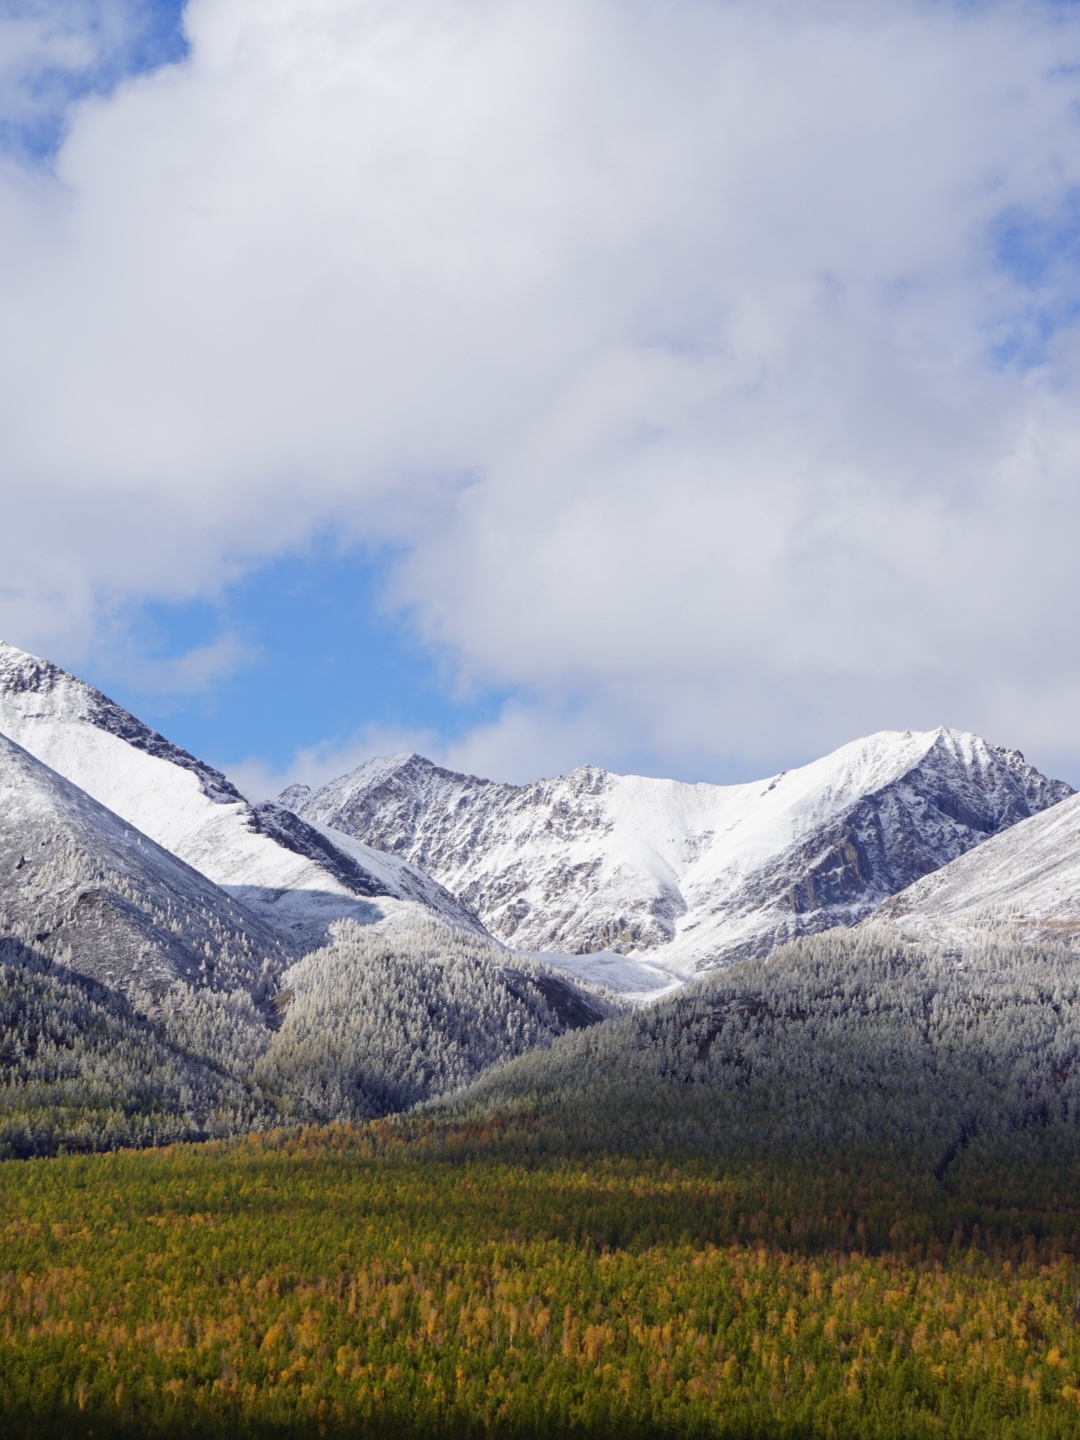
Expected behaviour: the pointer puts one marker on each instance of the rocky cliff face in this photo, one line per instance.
(1026, 878)
(695, 875)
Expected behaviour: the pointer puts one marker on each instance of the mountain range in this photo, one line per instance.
(687, 877)
(401, 931)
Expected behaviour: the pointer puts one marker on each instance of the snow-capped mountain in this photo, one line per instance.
(140, 1002)
(689, 876)
(1028, 877)
(296, 875)
(83, 889)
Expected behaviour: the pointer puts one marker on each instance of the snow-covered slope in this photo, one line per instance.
(1027, 878)
(140, 1002)
(297, 877)
(694, 875)
(81, 888)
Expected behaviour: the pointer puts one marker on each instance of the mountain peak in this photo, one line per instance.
(293, 796)
(39, 690)
(298, 878)
(693, 874)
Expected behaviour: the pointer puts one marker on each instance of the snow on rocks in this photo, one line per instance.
(83, 889)
(1027, 878)
(688, 876)
(297, 877)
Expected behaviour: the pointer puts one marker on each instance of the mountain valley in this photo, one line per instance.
(406, 931)
(709, 1085)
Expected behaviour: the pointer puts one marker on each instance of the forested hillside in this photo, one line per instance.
(80, 1069)
(831, 1194)
(378, 1021)
(849, 1037)
(375, 1022)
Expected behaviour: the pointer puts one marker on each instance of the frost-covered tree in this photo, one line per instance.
(848, 1037)
(80, 1069)
(381, 1020)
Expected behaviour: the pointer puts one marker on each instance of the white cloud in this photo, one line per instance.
(190, 673)
(660, 335)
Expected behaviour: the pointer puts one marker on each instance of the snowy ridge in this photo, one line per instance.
(1028, 877)
(296, 877)
(81, 888)
(689, 876)
(139, 1002)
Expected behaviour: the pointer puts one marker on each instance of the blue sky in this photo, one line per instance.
(316, 655)
(317, 658)
(70, 51)
(683, 387)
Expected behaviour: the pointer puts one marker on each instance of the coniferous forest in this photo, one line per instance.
(835, 1193)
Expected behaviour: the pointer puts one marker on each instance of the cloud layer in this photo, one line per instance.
(713, 365)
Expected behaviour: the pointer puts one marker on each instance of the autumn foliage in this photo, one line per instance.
(403, 1278)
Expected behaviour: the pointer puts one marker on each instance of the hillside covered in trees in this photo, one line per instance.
(829, 1194)
(371, 1024)
(852, 1038)
(448, 1190)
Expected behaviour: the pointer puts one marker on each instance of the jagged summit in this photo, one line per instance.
(51, 694)
(696, 874)
(296, 875)
(582, 864)
(145, 902)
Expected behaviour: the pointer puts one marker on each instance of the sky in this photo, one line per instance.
(680, 386)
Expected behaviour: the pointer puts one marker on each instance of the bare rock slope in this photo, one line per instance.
(693, 875)
(295, 875)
